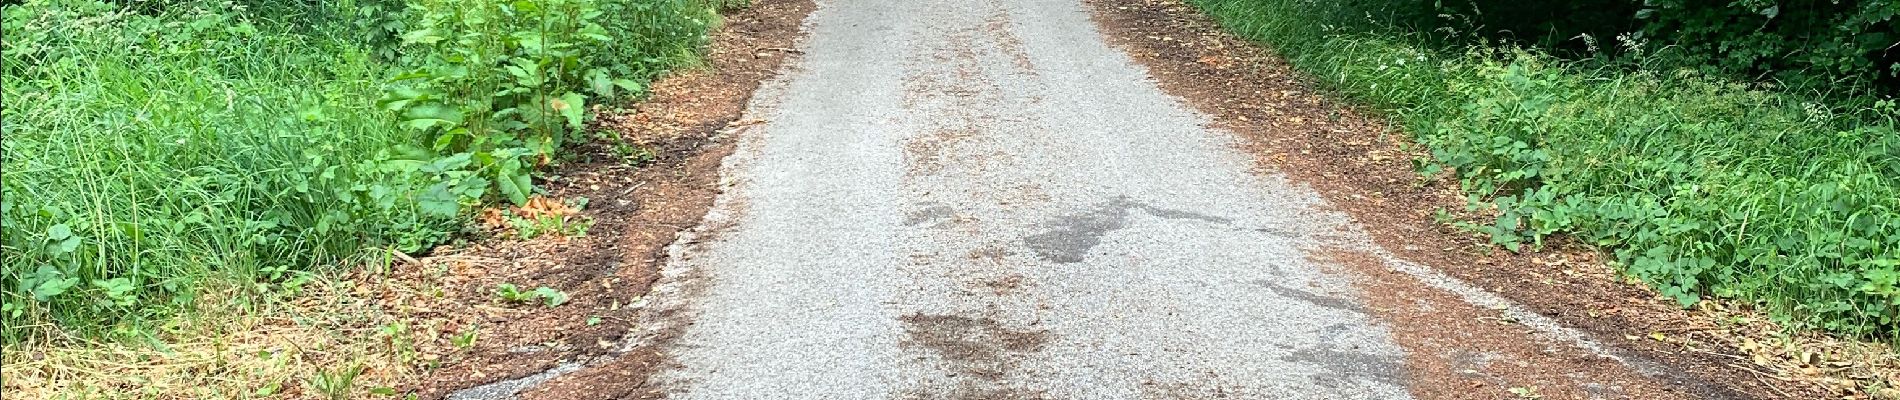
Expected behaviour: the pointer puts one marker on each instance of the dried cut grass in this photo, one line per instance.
(237, 349)
(1849, 368)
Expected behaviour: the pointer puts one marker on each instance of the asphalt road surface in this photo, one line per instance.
(984, 199)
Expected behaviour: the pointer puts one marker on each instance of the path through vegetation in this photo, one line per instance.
(988, 200)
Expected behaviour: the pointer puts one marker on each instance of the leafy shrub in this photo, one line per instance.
(1811, 43)
(1698, 186)
(1835, 46)
(654, 36)
(498, 86)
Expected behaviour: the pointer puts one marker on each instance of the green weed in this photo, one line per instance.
(547, 296)
(466, 339)
(565, 224)
(335, 384)
(529, 228)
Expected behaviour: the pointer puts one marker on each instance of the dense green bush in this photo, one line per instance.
(151, 147)
(1809, 43)
(1822, 45)
(498, 86)
(1697, 186)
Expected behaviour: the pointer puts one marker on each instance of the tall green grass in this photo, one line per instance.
(1699, 187)
(149, 150)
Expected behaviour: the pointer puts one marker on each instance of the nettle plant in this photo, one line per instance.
(496, 88)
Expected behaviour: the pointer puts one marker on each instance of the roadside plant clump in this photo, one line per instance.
(498, 87)
(1698, 186)
(153, 147)
(146, 153)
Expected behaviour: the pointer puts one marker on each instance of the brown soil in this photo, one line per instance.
(1458, 350)
(1361, 166)
(637, 211)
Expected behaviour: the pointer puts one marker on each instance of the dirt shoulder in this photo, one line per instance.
(1362, 166)
(635, 211)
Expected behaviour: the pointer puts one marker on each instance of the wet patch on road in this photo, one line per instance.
(1072, 236)
(1346, 369)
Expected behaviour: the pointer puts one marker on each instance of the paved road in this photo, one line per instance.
(983, 199)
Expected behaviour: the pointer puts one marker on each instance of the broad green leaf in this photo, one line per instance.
(421, 36)
(514, 183)
(439, 201)
(574, 108)
(550, 296)
(598, 81)
(628, 84)
(50, 288)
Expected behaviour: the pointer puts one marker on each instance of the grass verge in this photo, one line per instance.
(1698, 186)
(148, 154)
(154, 149)
(190, 185)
